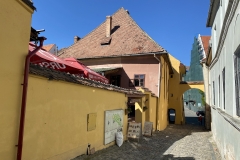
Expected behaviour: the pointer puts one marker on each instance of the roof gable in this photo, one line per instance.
(205, 41)
(48, 47)
(127, 38)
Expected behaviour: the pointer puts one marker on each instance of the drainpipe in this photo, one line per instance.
(24, 97)
(159, 73)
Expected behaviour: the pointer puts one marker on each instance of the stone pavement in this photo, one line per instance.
(176, 142)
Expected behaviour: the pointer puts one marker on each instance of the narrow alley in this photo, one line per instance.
(187, 142)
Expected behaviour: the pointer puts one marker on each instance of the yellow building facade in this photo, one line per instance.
(15, 31)
(177, 89)
(56, 126)
(175, 95)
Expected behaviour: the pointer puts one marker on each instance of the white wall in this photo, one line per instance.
(225, 134)
(226, 59)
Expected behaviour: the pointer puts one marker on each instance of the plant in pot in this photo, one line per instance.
(128, 110)
(145, 108)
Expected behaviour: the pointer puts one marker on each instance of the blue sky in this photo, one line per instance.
(171, 23)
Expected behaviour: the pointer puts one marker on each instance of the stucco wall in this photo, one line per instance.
(56, 118)
(147, 65)
(152, 111)
(162, 110)
(223, 131)
(15, 30)
(227, 137)
(175, 97)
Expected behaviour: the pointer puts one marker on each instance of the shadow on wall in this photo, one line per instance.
(120, 79)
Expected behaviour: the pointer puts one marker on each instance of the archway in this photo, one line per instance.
(192, 101)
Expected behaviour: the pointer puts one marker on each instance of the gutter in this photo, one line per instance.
(209, 14)
(124, 55)
(24, 97)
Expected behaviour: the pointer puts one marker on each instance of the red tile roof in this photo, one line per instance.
(127, 38)
(48, 47)
(205, 41)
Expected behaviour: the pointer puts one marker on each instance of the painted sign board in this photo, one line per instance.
(148, 126)
(113, 123)
(134, 130)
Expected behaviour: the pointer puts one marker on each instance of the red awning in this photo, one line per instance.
(46, 59)
(71, 65)
(90, 74)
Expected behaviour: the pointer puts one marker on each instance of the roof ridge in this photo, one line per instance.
(90, 32)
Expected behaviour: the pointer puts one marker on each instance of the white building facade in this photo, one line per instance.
(224, 76)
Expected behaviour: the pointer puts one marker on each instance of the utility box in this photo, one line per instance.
(91, 121)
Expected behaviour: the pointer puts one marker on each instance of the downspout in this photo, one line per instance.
(159, 73)
(24, 97)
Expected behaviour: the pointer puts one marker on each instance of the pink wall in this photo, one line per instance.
(131, 65)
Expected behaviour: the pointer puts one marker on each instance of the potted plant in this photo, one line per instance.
(145, 108)
(128, 110)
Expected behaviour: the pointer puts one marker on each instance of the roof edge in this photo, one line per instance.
(125, 55)
(212, 12)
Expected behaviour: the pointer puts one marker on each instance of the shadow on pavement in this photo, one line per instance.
(160, 146)
(171, 157)
(194, 121)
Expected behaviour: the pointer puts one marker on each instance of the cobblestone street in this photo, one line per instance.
(186, 142)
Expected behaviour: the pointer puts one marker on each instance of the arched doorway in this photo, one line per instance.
(171, 116)
(194, 102)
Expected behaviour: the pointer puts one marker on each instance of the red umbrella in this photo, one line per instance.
(46, 59)
(88, 73)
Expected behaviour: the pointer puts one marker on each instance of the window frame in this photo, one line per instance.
(223, 85)
(139, 80)
(213, 93)
(237, 79)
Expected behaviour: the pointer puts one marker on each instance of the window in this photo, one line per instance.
(219, 91)
(139, 80)
(223, 83)
(213, 93)
(115, 80)
(237, 79)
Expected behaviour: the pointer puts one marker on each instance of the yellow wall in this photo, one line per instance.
(15, 33)
(150, 113)
(140, 115)
(175, 98)
(56, 118)
(176, 91)
(162, 119)
(185, 87)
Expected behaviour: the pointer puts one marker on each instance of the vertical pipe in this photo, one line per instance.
(24, 97)
(159, 83)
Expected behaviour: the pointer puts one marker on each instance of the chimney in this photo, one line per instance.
(76, 38)
(108, 26)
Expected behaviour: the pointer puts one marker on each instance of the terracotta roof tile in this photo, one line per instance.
(205, 41)
(48, 47)
(57, 75)
(127, 38)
